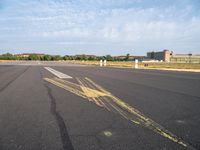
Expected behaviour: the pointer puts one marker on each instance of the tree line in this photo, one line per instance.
(83, 57)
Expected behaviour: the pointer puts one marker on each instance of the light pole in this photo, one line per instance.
(190, 54)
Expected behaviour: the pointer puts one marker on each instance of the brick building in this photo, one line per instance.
(164, 55)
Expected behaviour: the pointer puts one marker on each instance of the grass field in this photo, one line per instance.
(6, 61)
(159, 65)
(130, 64)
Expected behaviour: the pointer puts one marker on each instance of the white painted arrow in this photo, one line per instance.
(58, 74)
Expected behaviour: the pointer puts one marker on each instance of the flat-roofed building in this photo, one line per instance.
(185, 58)
(28, 54)
(164, 55)
(169, 56)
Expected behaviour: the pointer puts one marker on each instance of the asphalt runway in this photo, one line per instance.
(60, 106)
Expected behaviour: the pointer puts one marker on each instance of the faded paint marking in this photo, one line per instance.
(57, 73)
(93, 92)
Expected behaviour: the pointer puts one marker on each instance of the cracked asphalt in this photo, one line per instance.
(37, 115)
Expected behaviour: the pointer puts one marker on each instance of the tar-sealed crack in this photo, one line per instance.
(15, 78)
(67, 145)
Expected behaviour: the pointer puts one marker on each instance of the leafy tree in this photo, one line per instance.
(56, 58)
(92, 58)
(47, 57)
(8, 56)
(109, 58)
(83, 57)
(127, 57)
(33, 57)
(66, 57)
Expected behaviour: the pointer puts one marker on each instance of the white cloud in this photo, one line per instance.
(98, 22)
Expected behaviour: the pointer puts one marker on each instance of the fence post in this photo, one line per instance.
(101, 63)
(105, 63)
(136, 64)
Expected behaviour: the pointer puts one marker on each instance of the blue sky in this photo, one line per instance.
(99, 27)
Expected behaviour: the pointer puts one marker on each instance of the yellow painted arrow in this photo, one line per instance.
(93, 92)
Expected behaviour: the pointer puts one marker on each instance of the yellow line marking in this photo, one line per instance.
(149, 122)
(136, 122)
(104, 102)
(91, 91)
(68, 88)
(118, 110)
(98, 86)
(93, 95)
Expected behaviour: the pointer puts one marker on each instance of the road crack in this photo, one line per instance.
(15, 78)
(67, 145)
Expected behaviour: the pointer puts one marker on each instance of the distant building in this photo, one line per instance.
(28, 54)
(140, 58)
(164, 55)
(169, 56)
(185, 58)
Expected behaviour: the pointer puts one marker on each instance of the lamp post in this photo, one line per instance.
(190, 54)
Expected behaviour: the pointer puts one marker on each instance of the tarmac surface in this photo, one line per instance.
(60, 106)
